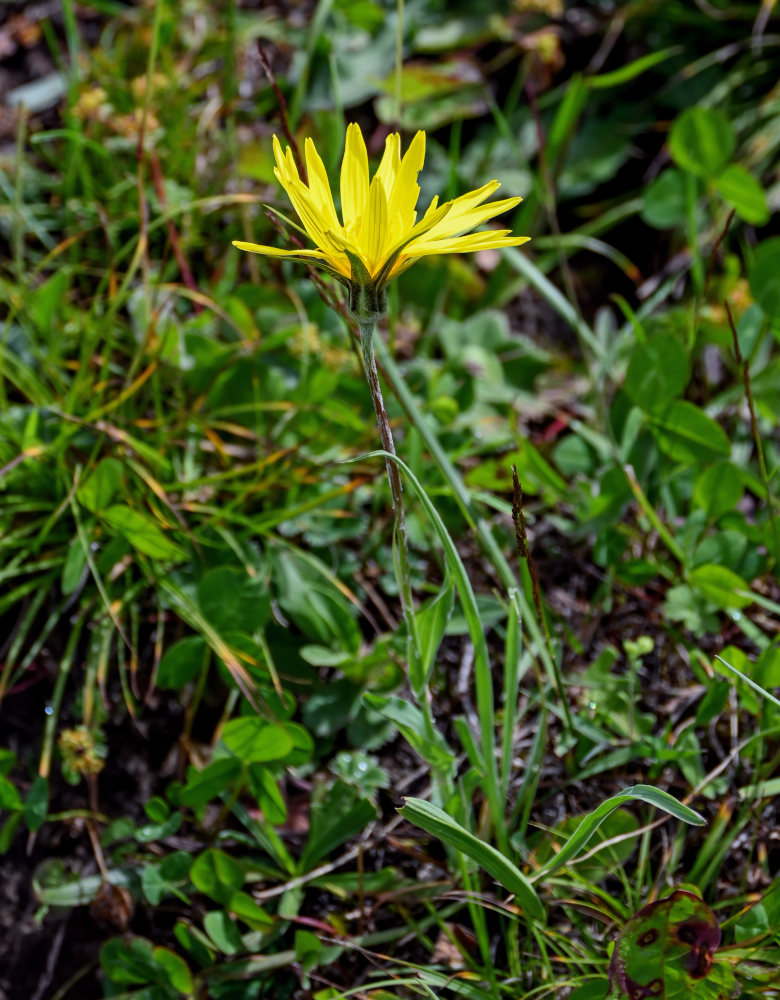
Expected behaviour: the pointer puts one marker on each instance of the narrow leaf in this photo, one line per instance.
(436, 822)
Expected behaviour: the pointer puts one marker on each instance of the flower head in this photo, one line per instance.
(379, 235)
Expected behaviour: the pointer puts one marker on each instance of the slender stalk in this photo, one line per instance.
(401, 540)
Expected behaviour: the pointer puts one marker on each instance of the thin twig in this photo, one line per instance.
(394, 478)
(173, 234)
(521, 535)
(743, 363)
(283, 116)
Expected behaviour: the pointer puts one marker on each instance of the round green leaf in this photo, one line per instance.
(686, 434)
(765, 276)
(216, 875)
(128, 961)
(97, 491)
(256, 741)
(233, 601)
(223, 932)
(742, 191)
(175, 969)
(181, 663)
(701, 141)
(658, 372)
(663, 203)
(718, 489)
(719, 585)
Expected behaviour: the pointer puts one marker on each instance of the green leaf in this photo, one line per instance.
(686, 434)
(335, 817)
(436, 822)
(233, 601)
(431, 622)
(719, 585)
(246, 909)
(97, 491)
(223, 932)
(129, 961)
(216, 875)
(590, 823)
(36, 804)
(7, 761)
(181, 662)
(664, 202)
(410, 722)
(667, 949)
(741, 190)
(175, 969)
(255, 741)
(658, 372)
(701, 141)
(765, 276)
(44, 304)
(73, 567)
(215, 778)
(633, 69)
(9, 796)
(718, 488)
(142, 533)
(8, 830)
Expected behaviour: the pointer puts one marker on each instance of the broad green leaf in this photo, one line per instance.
(217, 875)
(7, 761)
(181, 662)
(142, 532)
(431, 622)
(36, 804)
(686, 434)
(97, 490)
(223, 932)
(590, 823)
(9, 796)
(215, 778)
(663, 201)
(718, 489)
(667, 950)
(255, 741)
(436, 822)
(658, 372)
(175, 969)
(8, 830)
(720, 584)
(44, 303)
(765, 276)
(233, 601)
(701, 141)
(741, 190)
(129, 961)
(338, 814)
(246, 909)
(74, 565)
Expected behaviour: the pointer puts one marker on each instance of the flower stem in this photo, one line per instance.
(401, 546)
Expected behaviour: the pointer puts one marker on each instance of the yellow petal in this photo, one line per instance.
(456, 223)
(405, 192)
(354, 177)
(276, 251)
(319, 185)
(373, 232)
(494, 239)
(390, 164)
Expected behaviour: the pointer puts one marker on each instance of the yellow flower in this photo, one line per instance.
(379, 235)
